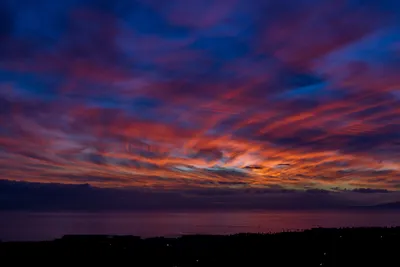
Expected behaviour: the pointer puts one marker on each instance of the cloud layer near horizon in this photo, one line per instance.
(186, 95)
(25, 196)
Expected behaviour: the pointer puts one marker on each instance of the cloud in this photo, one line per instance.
(254, 167)
(317, 191)
(209, 154)
(7, 21)
(213, 95)
(196, 14)
(79, 197)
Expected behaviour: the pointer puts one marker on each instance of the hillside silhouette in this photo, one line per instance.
(315, 247)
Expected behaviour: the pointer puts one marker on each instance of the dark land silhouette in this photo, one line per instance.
(315, 247)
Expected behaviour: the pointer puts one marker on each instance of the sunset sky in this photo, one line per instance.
(228, 103)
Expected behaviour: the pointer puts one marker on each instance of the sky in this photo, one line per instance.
(199, 104)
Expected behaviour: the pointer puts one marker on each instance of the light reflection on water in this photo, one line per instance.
(46, 226)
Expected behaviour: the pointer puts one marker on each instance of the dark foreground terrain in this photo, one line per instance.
(316, 247)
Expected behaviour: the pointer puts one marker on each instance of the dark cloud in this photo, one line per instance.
(290, 79)
(232, 183)
(209, 154)
(317, 191)
(226, 172)
(37, 196)
(254, 167)
(6, 20)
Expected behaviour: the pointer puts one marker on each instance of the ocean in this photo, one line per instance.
(34, 226)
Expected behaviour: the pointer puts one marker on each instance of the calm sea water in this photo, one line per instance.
(47, 226)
